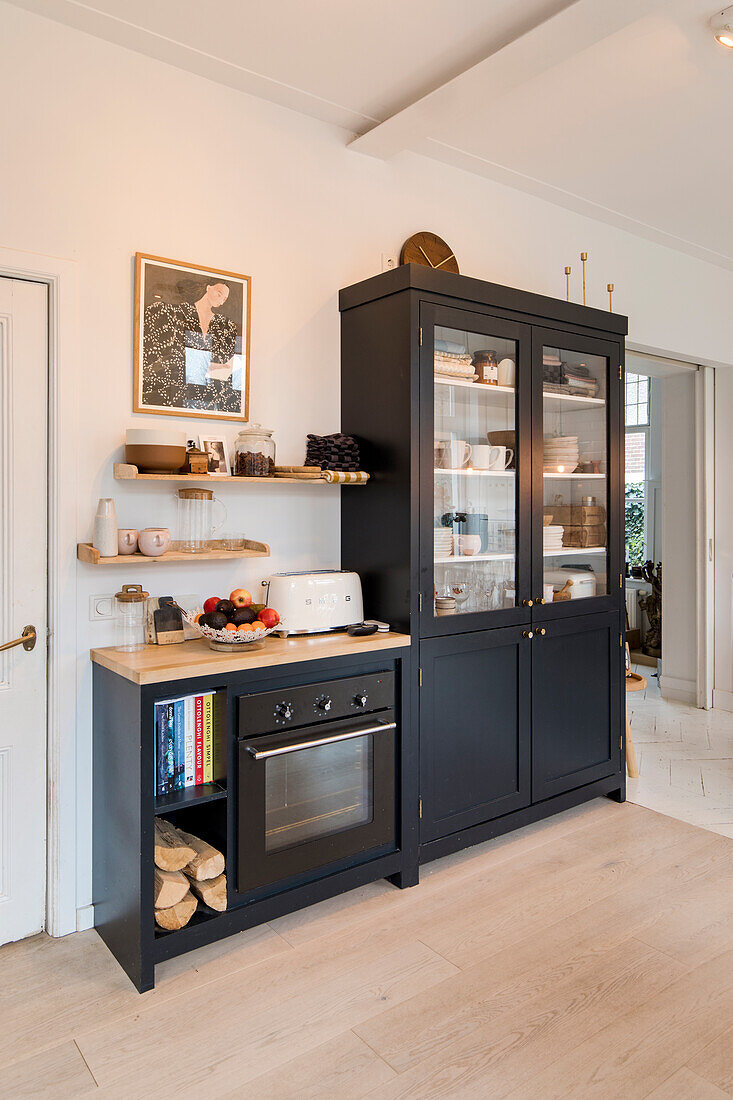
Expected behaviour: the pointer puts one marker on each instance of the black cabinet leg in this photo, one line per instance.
(618, 795)
(408, 876)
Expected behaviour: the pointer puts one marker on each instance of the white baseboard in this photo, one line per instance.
(683, 691)
(723, 700)
(85, 918)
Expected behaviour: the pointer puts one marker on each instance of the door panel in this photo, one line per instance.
(474, 729)
(23, 398)
(576, 475)
(475, 386)
(576, 683)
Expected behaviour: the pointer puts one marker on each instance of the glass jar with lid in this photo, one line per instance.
(254, 452)
(131, 604)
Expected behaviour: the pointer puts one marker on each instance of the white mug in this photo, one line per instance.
(469, 545)
(483, 455)
(458, 453)
(501, 459)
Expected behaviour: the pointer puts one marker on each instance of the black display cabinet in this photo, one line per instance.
(491, 421)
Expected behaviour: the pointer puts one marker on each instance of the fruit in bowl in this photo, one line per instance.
(234, 619)
(269, 617)
(240, 597)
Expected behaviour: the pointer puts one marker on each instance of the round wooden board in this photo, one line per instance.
(234, 647)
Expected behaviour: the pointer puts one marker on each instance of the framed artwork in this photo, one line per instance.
(216, 448)
(191, 340)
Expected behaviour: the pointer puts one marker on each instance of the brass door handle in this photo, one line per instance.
(540, 599)
(526, 603)
(27, 640)
(527, 634)
(542, 631)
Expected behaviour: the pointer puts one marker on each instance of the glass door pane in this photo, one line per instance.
(575, 475)
(474, 482)
(318, 791)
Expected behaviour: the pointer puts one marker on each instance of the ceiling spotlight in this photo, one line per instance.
(722, 27)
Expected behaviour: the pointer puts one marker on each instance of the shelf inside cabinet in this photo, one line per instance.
(451, 559)
(574, 551)
(562, 400)
(574, 477)
(505, 395)
(86, 552)
(467, 472)
(563, 552)
(189, 796)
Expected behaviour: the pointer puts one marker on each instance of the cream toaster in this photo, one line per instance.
(314, 602)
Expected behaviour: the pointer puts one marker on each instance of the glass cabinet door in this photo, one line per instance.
(573, 468)
(472, 541)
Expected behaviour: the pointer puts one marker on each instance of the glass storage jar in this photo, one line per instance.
(254, 452)
(131, 604)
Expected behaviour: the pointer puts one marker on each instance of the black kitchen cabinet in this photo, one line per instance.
(491, 422)
(475, 729)
(576, 674)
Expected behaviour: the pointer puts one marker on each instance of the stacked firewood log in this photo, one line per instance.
(187, 870)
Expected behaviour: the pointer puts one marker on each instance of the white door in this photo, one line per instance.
(23, 491)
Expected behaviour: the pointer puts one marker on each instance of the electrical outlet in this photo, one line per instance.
(101, 607)
(388, 262)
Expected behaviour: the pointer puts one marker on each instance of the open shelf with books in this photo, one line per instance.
(190, 749)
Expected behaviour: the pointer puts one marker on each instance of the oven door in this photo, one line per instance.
(316, 796)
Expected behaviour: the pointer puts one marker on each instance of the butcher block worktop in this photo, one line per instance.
(157, 664)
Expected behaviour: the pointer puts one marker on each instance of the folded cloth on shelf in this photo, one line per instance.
(450, 346)
(341, 477)
(332, 452)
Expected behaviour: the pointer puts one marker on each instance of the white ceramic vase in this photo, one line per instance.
(105, 528)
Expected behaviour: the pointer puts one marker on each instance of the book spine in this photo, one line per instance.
(188, 774)
(180, 732)
(208, 738)
(161, 749)
(171, 753)
(198, 768)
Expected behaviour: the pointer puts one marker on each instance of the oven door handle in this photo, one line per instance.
(264, 754)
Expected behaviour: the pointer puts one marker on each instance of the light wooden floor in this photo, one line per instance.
(591, 955)
(685, 758)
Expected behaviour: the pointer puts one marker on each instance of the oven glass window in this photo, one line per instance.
(318, 791)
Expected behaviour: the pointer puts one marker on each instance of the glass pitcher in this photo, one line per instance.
(195, 519)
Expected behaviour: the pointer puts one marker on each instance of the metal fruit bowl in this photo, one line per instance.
(227, 637)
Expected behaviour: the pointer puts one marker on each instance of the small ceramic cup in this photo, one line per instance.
(468, 545)
(506, 372)
(127, 540)
(154, 541)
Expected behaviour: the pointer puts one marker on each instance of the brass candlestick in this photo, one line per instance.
(567, 283)
(609, 288)
(584, 257)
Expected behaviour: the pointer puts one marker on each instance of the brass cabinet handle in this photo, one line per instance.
(540, 599)
(527, 634)
(526, 603)
(542, 631)
(27, 640)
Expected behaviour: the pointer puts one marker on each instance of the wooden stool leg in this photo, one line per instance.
(631, 765)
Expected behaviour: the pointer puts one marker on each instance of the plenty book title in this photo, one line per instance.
(184, 742)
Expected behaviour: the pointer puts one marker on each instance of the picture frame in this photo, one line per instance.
(216, 448)
(191, 340)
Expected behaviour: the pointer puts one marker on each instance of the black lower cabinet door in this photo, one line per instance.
(474, 729)
(576, 709)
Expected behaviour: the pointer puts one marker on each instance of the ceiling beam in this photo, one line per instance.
(547, 45)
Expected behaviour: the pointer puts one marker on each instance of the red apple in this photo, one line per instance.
(269, 617)
(210, 604)
(240, 597)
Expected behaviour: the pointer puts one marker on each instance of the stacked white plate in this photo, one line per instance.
(552, 538)
(442, 542)
(561, 451)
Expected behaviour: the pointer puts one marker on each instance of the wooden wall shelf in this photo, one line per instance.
(125, 472)
(85, 552)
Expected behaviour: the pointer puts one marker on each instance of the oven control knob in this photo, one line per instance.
(324, 703)
(284, 710)
(360, 700)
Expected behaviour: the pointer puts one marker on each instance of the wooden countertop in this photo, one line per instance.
(158, 663)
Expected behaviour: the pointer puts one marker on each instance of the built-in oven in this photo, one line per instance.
(316, 786)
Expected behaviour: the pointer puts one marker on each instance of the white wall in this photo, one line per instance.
(106, 152)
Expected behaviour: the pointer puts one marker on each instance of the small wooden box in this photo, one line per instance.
(577, 515)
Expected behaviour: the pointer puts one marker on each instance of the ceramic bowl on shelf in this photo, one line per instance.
(155, 450)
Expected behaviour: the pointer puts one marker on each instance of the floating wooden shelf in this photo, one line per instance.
(86, 552)
(125, 472)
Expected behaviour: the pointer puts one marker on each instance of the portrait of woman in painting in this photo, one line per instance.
(191, 340)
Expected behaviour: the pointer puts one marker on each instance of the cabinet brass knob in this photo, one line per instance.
(540, 599)
(527, 634)
(527, 603)
(542, 631)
